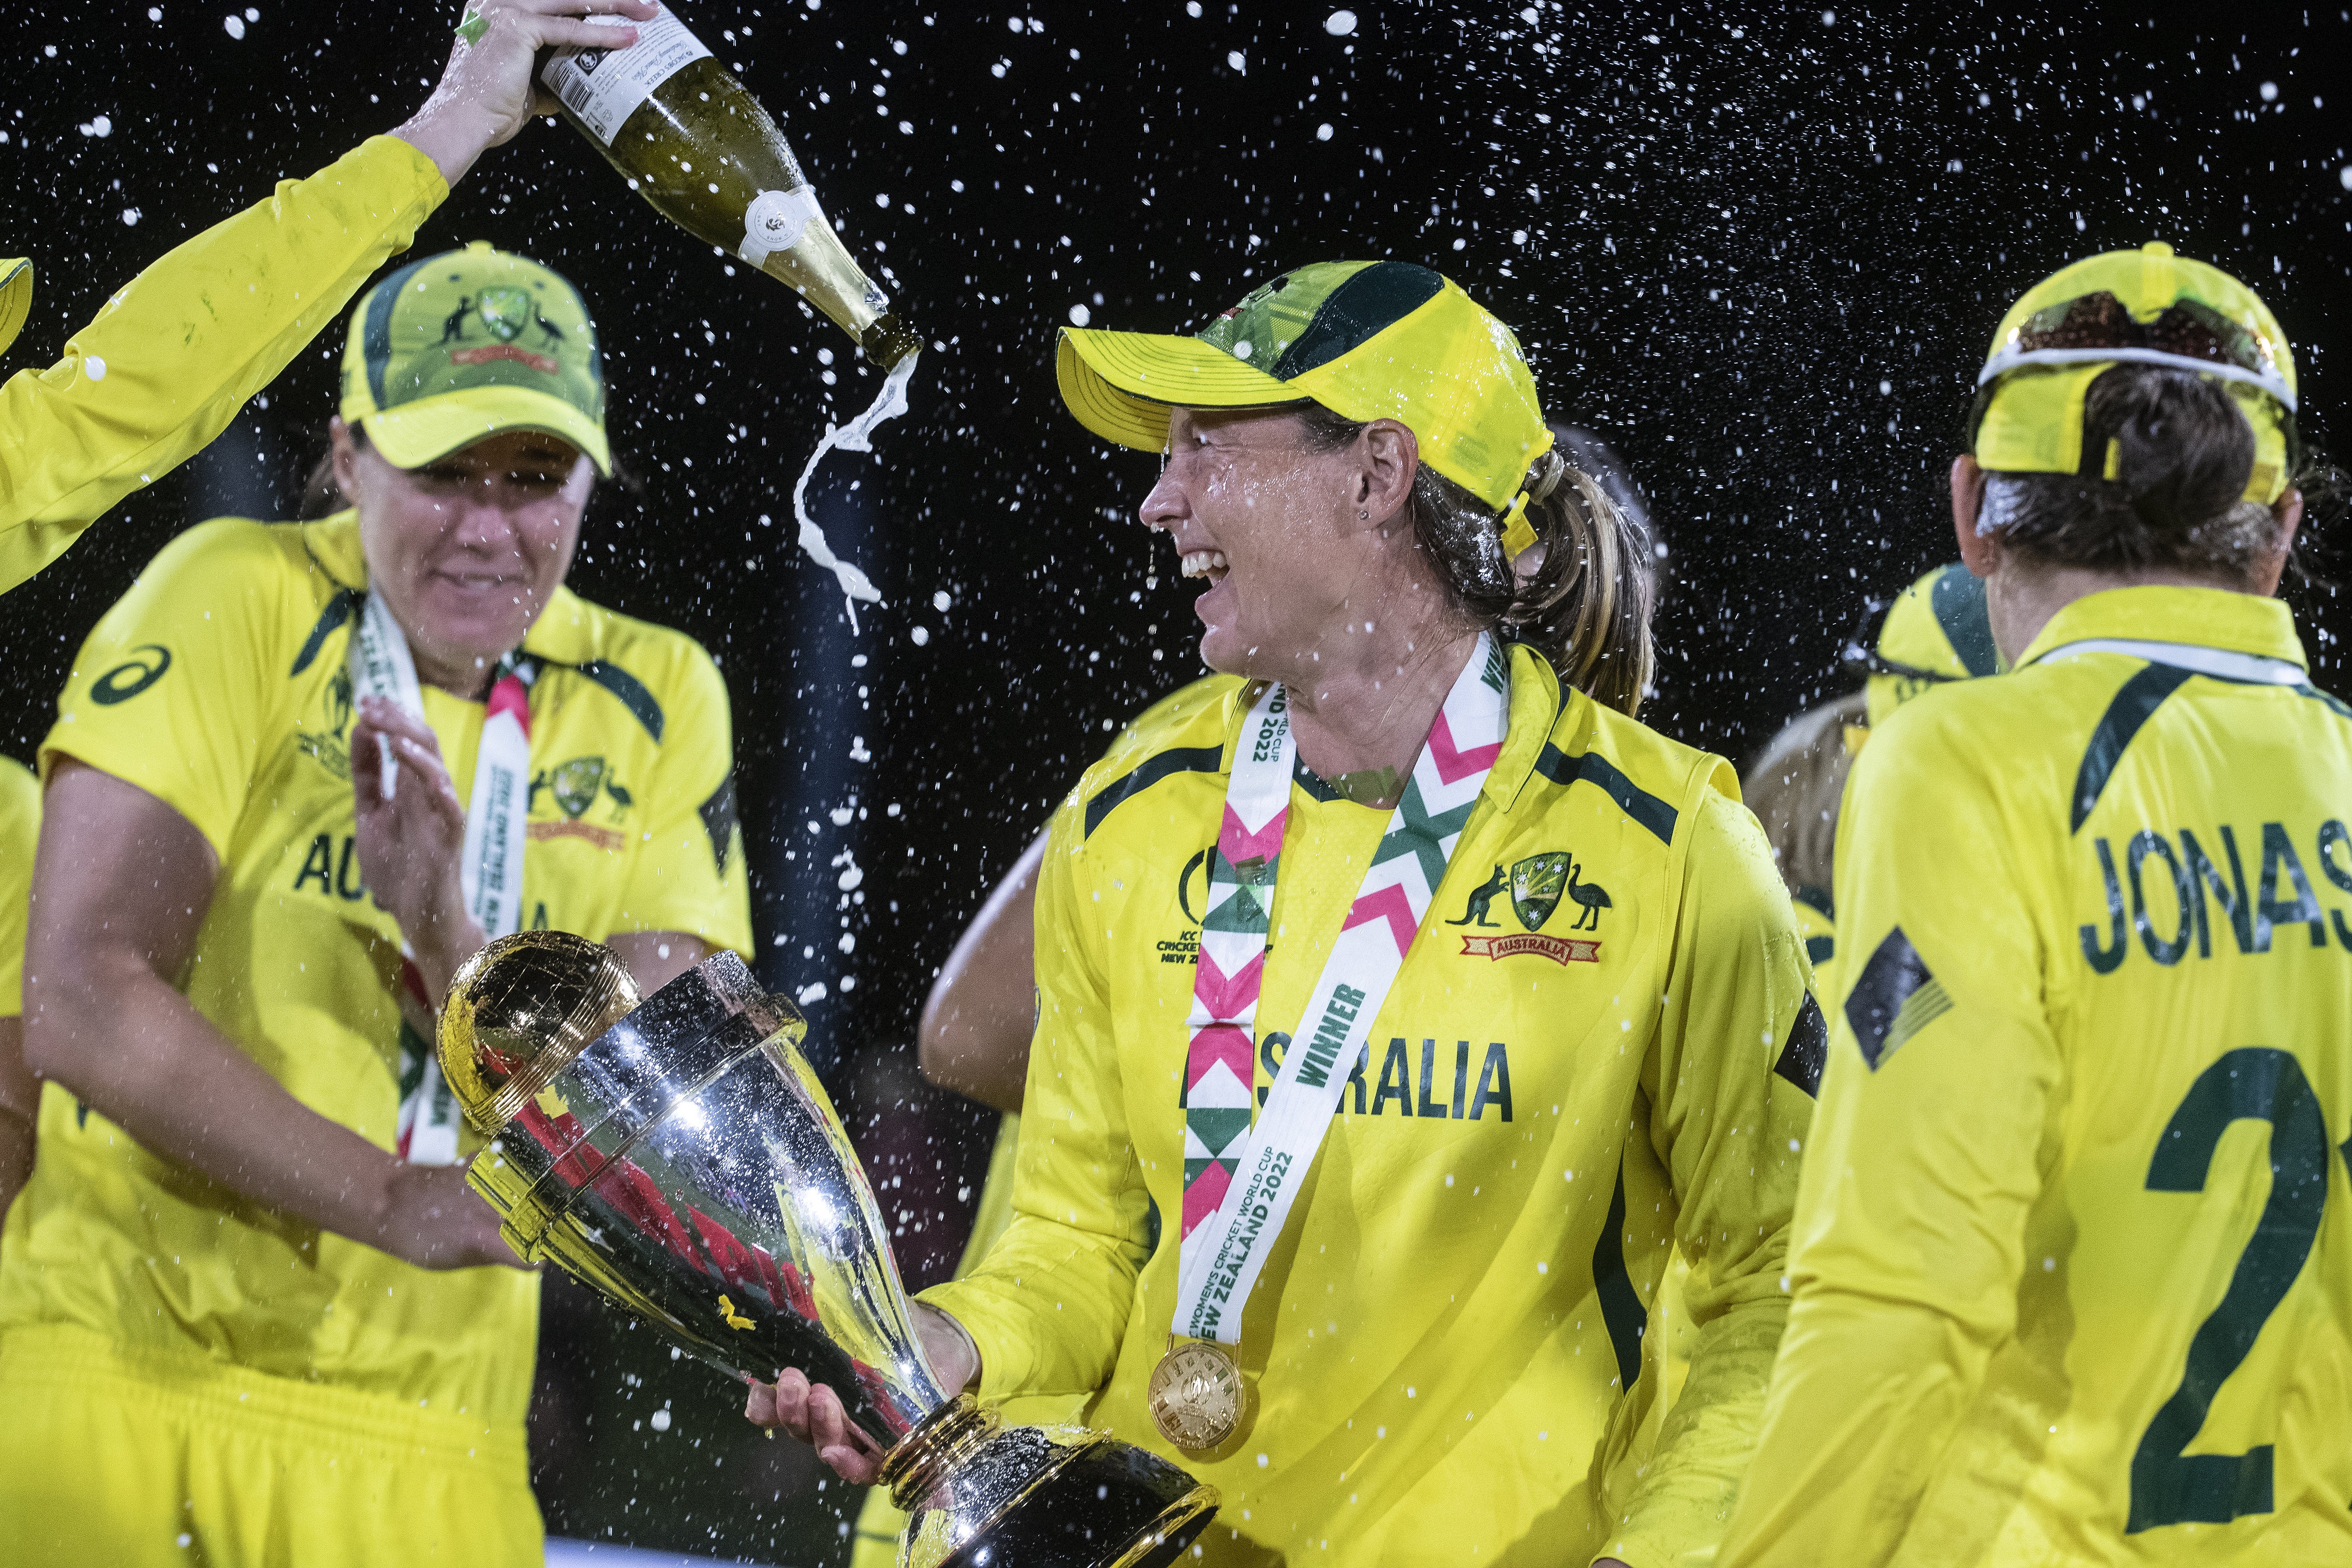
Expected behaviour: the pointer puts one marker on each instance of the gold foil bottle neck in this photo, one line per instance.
(518, 1012)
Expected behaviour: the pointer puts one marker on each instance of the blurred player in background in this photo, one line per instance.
(2068, 1272)
(1793, 789)
(300, 772)
(1935, 631)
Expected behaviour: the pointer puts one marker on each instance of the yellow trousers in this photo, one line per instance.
(110, 1456)
(875, 1545)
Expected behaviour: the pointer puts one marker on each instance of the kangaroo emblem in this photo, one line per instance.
(454, 325)
(1591, 898)
(1481, 897)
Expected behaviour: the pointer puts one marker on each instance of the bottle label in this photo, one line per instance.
(603, 87)
(774, 221)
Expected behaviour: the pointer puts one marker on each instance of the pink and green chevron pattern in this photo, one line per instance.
(1219, 1096)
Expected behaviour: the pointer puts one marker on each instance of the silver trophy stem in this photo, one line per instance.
(680, 1157)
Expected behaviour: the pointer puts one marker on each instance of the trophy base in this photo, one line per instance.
(1037, 1497)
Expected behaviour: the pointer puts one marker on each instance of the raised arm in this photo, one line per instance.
(168, 362)
(487, 90)
(122, 884)
(983, 1006)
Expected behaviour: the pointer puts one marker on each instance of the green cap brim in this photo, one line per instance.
(414, 433)
(1120, 385)
(16, 298)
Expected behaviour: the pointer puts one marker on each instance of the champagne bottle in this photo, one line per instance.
(702, 148)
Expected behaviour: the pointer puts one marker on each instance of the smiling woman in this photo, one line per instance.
(1248, 1230)
(467, 550)
(301, 773)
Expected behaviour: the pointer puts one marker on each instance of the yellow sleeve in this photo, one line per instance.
(20, 831)
(1812, 907)
(1925, 1163)
(1049, 1304)
(172, 689)
(1730, 1114)
(169, 360)
(686, 871)
(994, 1216)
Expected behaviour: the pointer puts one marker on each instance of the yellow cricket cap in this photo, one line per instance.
(469, 344)
(2145, 306)
(1368, 340)
(1937, 630)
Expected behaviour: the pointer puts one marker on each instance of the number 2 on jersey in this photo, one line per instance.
(2254, 1084)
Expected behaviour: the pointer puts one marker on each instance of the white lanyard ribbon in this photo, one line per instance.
(1224, 1248)
(489, 869)
(2221, 663)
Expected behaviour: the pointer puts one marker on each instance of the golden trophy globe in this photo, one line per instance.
(678, 1156)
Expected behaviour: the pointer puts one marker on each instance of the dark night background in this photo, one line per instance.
(1761, 251)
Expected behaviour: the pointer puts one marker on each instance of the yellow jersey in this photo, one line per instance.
(1449, 1347)
(2069, 1278)
(20, 833)
(218, 685)
(167, 363)
(1816, 915)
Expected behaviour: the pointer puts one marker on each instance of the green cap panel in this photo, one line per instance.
(504, 340)
(1368, 340)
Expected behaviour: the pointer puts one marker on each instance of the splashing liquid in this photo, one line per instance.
(858, 436)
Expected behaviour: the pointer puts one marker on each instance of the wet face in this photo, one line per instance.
(1283, 536)
(467, 550)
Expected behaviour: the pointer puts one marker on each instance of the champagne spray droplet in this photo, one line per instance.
(858, 436)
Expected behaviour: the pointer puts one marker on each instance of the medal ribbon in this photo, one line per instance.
(1240, 1181)
(489, 869)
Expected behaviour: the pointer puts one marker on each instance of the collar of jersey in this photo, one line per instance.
(562, 635)
(1535, 709)
(2198, 617)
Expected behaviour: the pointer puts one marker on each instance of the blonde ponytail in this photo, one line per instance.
(1580, 595)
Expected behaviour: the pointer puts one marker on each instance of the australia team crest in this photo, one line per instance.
(577, 786)
(506, 310)
(576, 783)
(1538, 885)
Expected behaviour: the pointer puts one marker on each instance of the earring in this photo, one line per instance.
(1364, 516)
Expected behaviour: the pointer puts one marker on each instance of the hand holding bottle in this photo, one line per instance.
(487, 92)
(692, 140)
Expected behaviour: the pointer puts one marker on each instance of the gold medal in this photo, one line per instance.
(1197, 1393)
